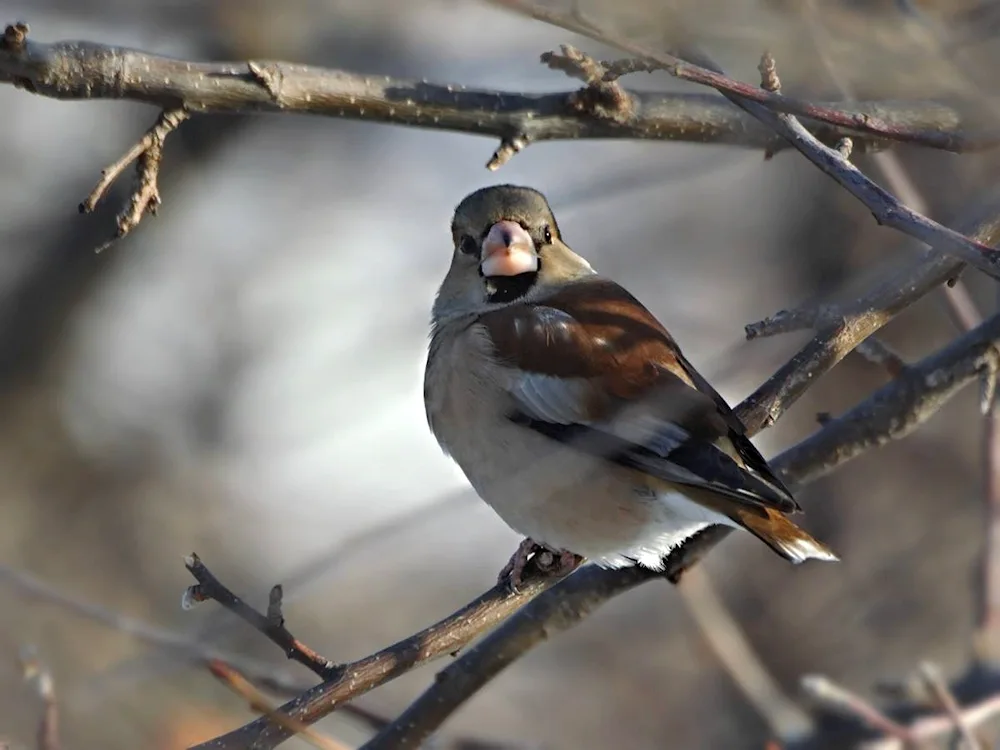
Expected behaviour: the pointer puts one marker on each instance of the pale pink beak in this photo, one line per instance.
(508, 250)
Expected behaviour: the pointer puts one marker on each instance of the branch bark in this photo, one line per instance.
(74, 70)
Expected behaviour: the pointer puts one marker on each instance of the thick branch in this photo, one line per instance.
(85, 70)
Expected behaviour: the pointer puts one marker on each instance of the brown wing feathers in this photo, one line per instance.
(597, 331)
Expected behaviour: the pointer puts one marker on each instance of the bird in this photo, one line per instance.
(573, 412)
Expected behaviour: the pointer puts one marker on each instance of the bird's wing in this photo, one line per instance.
(591, 367)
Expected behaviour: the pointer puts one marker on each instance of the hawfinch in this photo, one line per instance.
(572, 411)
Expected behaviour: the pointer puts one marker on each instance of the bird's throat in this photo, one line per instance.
(500, 289)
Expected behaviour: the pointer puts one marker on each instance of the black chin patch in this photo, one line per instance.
(509, 288)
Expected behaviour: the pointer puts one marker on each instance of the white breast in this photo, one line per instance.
(541, 488)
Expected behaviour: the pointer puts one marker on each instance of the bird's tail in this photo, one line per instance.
(781, 535)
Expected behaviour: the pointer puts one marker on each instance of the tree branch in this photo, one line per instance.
(86, 70)
(356, 678)
(271, 624)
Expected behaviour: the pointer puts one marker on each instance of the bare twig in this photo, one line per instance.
(176, 643)
(786, 720)
(881, 354)
(544, 617)
(987, 643)
(931, 727)
(675, 66)
(356, 678)
(148, 156)
(936, 682)
(259, 703)
(272, 624)
(86, 70)
(40, 676)
(833, 696)
(779, 116)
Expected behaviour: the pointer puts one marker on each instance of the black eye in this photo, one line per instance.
(547, 234)
(468, 245)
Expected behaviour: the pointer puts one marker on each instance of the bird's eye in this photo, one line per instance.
(547, 234)
(468, 245)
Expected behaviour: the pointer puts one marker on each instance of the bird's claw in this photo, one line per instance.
(549, 562)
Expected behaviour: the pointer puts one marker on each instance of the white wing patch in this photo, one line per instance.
(550, 398)
(564, 401)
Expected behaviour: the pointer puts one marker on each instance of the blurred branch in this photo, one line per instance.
(259, 703)
(897, 736)
(942, 693)
(40, 676)
(832, 696)
(86, 70)
(176, 643)
(786, 720)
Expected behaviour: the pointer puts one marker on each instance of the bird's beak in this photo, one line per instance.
(508, 250)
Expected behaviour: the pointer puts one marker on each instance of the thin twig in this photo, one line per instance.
(271, 625)
(239, 684)
(785, 719)
(929, 728)
(177, 644)
(39, 675)
(778, 114)
(831, 695)
(356, 678)
(882, 355)
(148, 156)
(936, 682)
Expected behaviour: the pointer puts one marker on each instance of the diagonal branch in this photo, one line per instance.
(885, 207)
(874, 124)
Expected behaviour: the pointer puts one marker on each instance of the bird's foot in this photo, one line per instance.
(549, 562)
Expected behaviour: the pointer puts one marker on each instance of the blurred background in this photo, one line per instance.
(242, 377)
